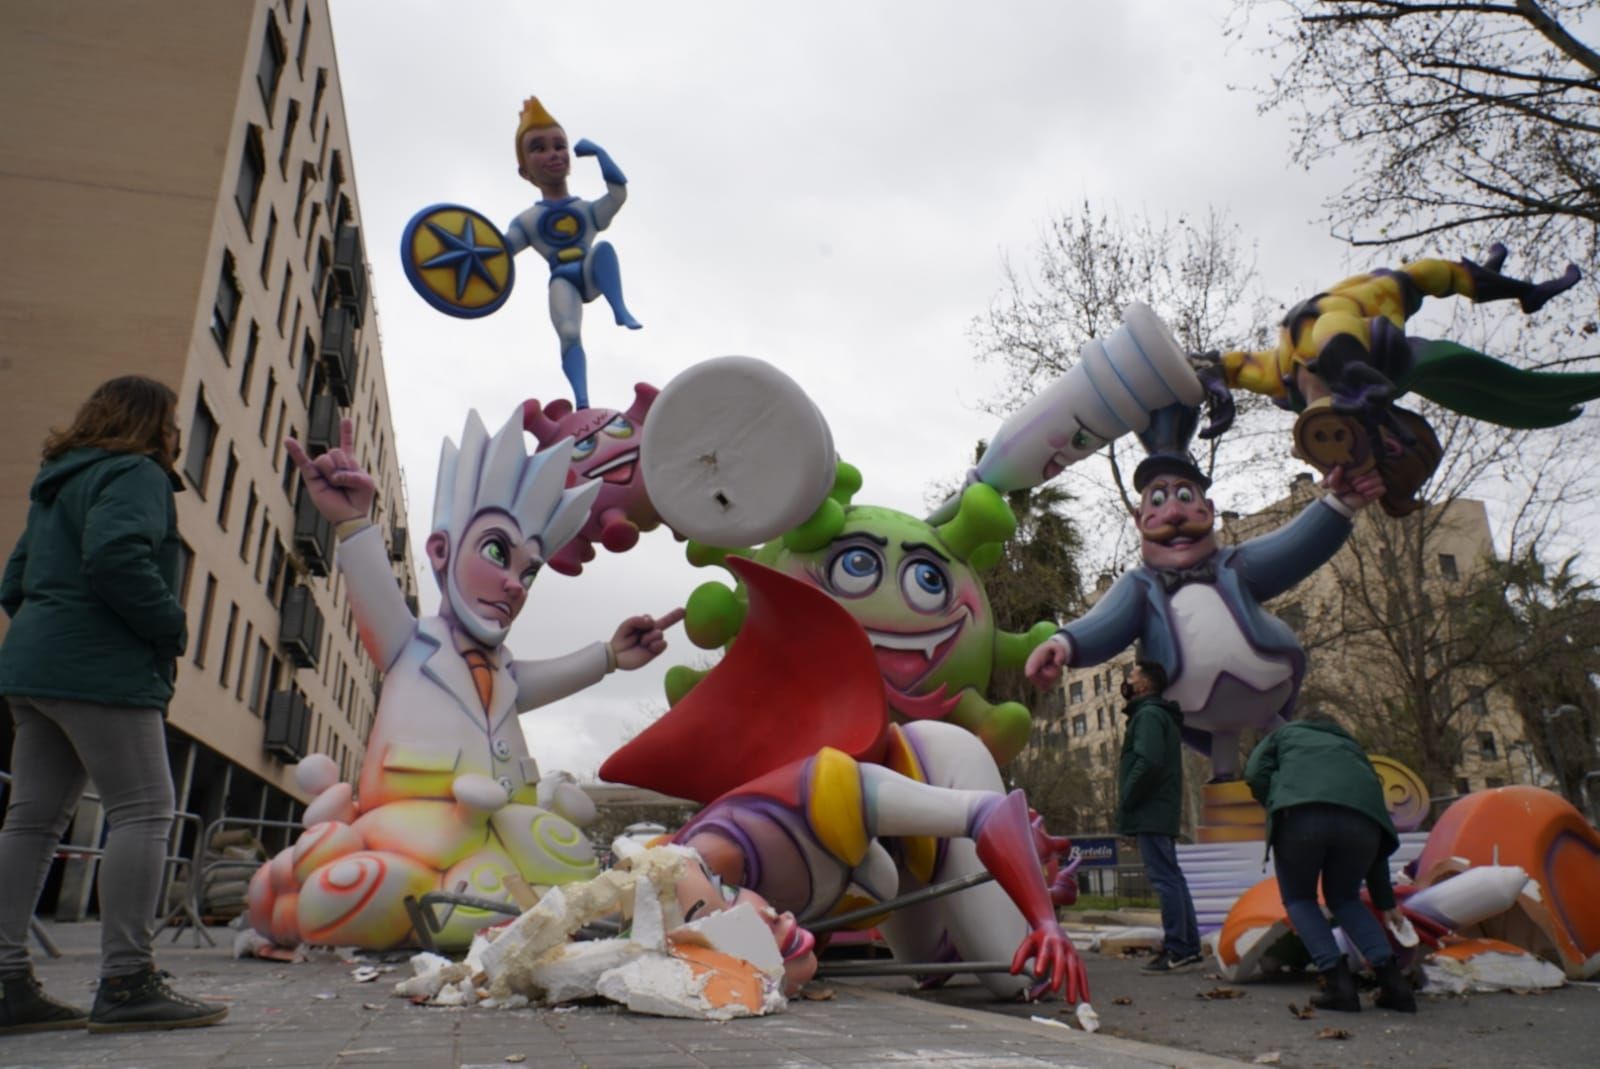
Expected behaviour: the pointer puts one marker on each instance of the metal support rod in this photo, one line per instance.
(938, 890)
(842, 969)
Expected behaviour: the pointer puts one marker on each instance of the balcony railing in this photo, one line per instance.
(350, 270)
(300, 629)
(313, 535)
(338, 352)
(322, 434)
(288, 725)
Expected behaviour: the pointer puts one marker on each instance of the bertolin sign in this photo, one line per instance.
(1097, 852)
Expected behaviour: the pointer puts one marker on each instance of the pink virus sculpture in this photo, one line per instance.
(605, 449)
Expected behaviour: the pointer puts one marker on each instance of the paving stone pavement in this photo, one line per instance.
(316, 1016)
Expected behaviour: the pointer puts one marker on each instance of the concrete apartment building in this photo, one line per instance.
(1494, 749)
(181, 203)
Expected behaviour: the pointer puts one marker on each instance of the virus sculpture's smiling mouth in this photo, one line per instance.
(906, 657)
(619, 469)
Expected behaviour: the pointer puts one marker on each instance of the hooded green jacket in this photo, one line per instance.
(91, 587)
(1150, 772)
(1310, 761)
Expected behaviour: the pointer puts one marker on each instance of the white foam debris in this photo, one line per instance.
(1490, 971)
(1088, 1020)
(738, 932)
(573, 970)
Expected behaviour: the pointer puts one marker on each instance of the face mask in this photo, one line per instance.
(1127, 691)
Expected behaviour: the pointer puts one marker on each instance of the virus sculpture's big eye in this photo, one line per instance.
(855, 571)
(925, 585)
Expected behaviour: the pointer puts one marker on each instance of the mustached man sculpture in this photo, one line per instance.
(1196, 606)
(449, 798)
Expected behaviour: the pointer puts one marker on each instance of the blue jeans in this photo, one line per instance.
(1341, 846)
(1180, 930)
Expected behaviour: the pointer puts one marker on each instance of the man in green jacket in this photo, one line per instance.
(1150, 804)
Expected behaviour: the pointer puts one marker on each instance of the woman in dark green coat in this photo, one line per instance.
(1326, 820)
(86, 669)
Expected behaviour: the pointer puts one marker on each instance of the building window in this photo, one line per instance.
(1486, 745)
(225, 306)
(1097, 685)
(252, 167)
(251, 503)
(203, 635)
(275, 571)
(270, 70)
(319, 274)
(1491, 782)
(185, 571)
(202, 438)
(277, 435)
(283, 298)
(266, 245)
(227, 644)
(311, 234)
(258, 683)
(308, 174)
(1463, 786)
(1075, 692)
(266, 404)
(1447, 566)
(261, 543)
(316, 95)
(225, 499)
(305, 42)
(248, 370)
(1100, 719)
(1477, 703)
(291, 119)
(244, 661)
(1080, 726)
(308, 363)
(335, 176)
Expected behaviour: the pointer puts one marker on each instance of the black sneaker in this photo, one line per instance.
(24, 1007)
(143, 1002)
(1166, 962)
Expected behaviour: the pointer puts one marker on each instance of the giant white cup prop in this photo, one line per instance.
(735, 453)
(1116, 384)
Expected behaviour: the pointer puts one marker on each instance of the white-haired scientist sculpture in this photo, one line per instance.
(448, 796)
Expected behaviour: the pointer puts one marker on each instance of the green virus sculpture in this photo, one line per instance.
(916, 590)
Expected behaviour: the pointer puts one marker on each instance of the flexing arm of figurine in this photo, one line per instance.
(606, 208)
(1047, 660)
(343, 493)
(640, 639)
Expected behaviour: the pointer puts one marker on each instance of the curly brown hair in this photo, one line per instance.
(130, 414)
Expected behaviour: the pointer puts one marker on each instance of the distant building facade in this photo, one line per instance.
(182, 204)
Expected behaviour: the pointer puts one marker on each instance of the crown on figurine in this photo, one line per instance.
(497, 473)
(1166, 440)
(534, 117)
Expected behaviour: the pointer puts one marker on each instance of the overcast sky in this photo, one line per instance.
(828, 186)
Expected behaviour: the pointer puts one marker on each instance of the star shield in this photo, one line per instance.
(457, 260)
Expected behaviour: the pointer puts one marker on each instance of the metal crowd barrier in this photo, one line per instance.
(190, 908)
(66, 851)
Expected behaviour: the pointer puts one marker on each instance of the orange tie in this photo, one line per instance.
(482, 675)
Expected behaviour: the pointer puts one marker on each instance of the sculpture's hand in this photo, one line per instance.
(1356, 493)
(1056, 964)
(1220, 408)
(640, 639)
(338, 487)
(1044, 665)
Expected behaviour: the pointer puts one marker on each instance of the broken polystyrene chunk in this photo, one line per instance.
(1088, 1020)
(649, 930)
(702, 984)
(738, 932)
(432, 974)
(1472, 965)
(573, 970)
